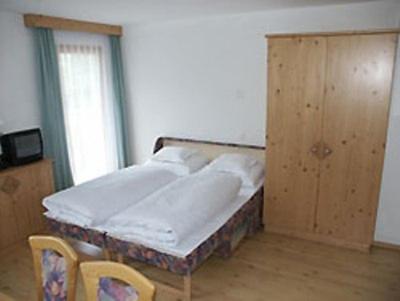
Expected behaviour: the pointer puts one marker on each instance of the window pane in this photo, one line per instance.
(87, 111)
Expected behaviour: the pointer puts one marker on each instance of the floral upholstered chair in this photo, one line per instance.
(111, 281)
(56, 265)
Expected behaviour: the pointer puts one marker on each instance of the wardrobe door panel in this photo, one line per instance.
(358, 88)
(296, 71)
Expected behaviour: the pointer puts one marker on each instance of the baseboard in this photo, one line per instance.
(386, 245)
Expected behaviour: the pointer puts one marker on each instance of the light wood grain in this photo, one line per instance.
(22, 190)
(335, 33)
(295, 94)
(264, 267)
(327, 239)
(358, 92)
(212, 150)
(346, 136)
(32, 20)
(93, 271)
(187, 287)
(185, 292)
(5, 297)
(40, 243)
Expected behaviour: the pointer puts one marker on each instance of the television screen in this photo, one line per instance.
(22, 147)
(27, 145)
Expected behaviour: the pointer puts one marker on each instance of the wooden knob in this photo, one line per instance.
(316, 150)
(327, 151)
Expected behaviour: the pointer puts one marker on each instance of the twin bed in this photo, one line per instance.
(217, 232)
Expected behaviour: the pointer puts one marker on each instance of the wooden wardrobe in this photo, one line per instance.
(328, 104)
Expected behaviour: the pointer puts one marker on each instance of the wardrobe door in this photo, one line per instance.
(358, 88)
(296, 70)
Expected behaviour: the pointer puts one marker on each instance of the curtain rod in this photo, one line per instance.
(33, 20)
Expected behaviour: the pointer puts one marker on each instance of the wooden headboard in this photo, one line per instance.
(212, 149)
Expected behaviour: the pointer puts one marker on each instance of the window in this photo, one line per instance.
(84, 63)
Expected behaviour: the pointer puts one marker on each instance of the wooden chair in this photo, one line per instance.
(104, 280)
(56, 266)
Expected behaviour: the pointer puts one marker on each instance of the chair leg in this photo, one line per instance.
(187, 287)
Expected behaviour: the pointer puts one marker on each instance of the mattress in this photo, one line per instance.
(195, 239)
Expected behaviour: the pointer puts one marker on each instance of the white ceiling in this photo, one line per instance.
(134, 11)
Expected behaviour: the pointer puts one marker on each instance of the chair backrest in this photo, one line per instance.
(106, 280)
(56, 265)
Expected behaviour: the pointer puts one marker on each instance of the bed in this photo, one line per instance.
(219, 237)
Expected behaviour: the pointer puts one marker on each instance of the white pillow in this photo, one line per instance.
(191, 165)
(175, 154)
(255, 175)
(249, 169)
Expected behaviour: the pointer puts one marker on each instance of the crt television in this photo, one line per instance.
(22, 147)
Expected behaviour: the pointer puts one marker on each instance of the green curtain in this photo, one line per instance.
(119, 102)
(53, 126)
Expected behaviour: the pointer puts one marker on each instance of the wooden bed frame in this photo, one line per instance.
(246, 221)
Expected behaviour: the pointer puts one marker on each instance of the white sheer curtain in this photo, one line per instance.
(84, 63)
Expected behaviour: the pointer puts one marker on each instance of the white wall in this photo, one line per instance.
(206, 78)
(18, 89)
(388, 222)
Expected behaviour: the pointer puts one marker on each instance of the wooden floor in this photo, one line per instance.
(265, 267)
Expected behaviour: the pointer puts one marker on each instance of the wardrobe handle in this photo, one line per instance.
(327, 151)
(321, 150)
(316, 150)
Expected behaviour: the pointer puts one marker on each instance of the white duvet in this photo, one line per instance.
(91, 203)
(178, 209)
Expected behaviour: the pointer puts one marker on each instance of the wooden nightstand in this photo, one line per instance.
(22, 190)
